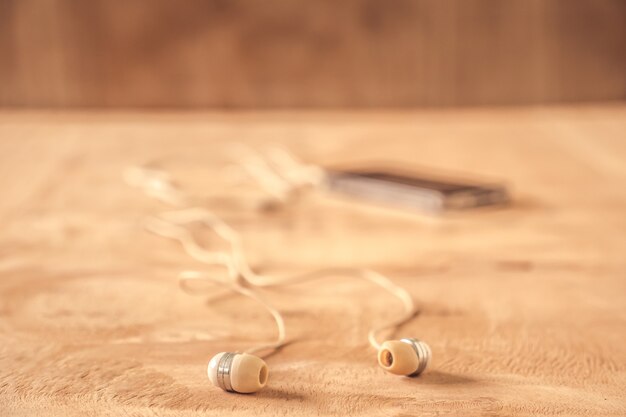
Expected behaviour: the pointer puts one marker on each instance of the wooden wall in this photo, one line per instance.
(283, 53)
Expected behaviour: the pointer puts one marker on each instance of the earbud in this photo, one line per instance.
(407, 357)
(238, 372)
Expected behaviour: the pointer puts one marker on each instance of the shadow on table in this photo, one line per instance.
(274, 393)
(444, 378)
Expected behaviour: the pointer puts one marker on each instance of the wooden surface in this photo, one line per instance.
(524, 308)
(274, 53)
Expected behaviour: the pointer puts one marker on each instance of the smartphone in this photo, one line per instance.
(414, 191)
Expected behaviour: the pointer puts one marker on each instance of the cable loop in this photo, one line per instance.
(240, 278)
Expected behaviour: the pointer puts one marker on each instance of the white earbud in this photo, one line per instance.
(408, 357)
(238, 372)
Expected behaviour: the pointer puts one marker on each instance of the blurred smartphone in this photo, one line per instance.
(416, 191)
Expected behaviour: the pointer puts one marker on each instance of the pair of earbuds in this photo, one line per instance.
(246, 373)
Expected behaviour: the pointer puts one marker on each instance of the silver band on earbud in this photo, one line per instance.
(223, 371)
(423, 354)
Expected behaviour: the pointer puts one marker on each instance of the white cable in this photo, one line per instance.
(187, 276)
(241, 278)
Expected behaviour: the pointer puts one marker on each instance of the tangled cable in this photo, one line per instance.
(240, 277)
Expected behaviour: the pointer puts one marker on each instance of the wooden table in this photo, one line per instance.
(524, 307)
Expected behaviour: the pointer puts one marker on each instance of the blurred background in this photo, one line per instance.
(299, 53)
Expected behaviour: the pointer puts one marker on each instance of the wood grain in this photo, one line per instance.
(324, 53)
(524, 308)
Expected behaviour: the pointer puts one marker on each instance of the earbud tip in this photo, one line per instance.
(250, 373)
(407, 357)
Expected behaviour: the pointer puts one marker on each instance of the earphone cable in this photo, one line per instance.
(241, 278)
